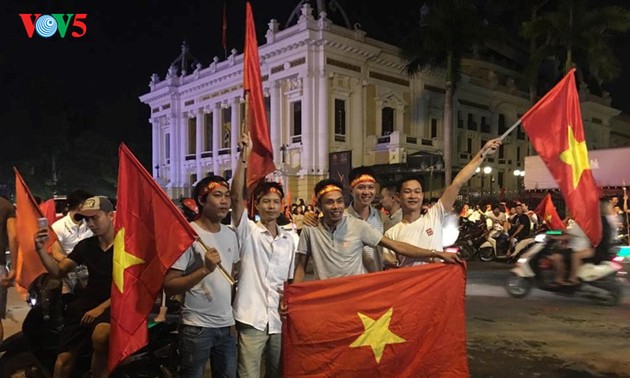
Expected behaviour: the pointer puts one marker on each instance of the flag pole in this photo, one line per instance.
(224, 272)
(625, 209)
(508, 131)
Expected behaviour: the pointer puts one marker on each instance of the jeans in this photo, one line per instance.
(251, 345)
(197, 344)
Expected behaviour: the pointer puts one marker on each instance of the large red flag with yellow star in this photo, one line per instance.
(554, 126)
(548, 213)
(407, 322)
(151, 234)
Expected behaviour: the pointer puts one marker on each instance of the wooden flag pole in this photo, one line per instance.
(223, 271)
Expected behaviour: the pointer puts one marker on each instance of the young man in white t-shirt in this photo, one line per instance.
(207, 328)
(267, 259)
(336, 243)
(425, 231)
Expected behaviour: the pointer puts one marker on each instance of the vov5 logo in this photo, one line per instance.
(47, 25)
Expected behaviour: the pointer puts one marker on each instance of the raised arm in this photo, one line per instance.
(56, 269)
(238, 181)
(450, 194)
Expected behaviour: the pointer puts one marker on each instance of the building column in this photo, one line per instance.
(308, 125)
(183, 150)
(378, 115)
(356, 131)
(199, 143)
(216, 136)
(275, 126)
(155, 143)
(173, 161)
(235, 120)
(324, 133)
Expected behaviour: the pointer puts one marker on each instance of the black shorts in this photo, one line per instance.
(74, 335)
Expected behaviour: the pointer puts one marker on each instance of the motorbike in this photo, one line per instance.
(471, 237)
(598, 282)
(488, 252)
(32, 352)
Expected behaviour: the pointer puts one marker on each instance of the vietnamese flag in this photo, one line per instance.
(547, 211)
(554, 126)
(151, 234)
(29, 266)
(407, 322)
(260, 162)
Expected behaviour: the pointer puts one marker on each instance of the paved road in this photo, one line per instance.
(543, 335)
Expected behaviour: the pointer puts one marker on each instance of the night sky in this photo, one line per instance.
(98, 78)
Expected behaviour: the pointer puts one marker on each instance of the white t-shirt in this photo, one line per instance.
(424, 232)
(266, 263)
(70, 233)
(208, 304)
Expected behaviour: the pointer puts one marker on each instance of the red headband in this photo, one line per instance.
(361, 179)
(327, 189)
(271, 190)
(212, 185)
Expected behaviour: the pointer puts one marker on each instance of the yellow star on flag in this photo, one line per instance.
(576, 156)
(377, 334)
(122, 260)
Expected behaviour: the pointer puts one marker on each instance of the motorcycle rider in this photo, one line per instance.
(580, 247)
(520, 228)
(496, 223)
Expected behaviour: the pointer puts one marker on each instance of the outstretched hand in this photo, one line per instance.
(491, 147)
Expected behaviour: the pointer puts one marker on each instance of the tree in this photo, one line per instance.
(583, 35)
(448, 29)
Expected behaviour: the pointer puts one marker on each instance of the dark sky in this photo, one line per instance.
(100, 76)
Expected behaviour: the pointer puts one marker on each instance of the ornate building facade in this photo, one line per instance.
(330, 88)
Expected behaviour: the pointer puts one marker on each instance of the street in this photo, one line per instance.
(543, 335)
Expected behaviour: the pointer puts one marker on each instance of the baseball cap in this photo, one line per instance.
(92, 206)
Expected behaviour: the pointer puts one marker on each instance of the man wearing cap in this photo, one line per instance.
(425, 229)
(336, 244)
(206, 322)
(86, 320)
(267, 261)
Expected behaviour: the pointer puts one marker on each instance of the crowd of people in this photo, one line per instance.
(236, 328)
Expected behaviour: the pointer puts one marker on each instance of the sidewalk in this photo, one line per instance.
(17, 309)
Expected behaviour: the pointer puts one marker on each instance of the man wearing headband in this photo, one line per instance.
(425, 230)
(336, 244)
(363, 188)
(206, 323)
(267, 261)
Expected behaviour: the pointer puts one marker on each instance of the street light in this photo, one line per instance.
(486, 171)
(157, 170)
(518, 174)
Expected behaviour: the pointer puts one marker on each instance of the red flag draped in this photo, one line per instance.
(260, 162)
(547, 212)
(406, 322)
(151, 234)
(554, 126)
(29, 265)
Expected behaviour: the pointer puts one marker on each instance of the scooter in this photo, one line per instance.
(487, 252)
(32, 352)
(598, 282)
(471, 237)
